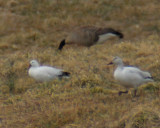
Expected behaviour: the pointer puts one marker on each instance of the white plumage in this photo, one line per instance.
(128, 76)
(104, 37)
(44, 73)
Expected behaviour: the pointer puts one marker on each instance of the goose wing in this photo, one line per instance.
(143, 74)
(49, 72)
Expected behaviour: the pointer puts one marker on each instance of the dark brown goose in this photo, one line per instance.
(88, 36)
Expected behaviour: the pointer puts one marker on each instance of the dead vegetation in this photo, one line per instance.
(33, 29)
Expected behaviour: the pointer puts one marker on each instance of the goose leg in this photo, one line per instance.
(135, 92)
(120, 92)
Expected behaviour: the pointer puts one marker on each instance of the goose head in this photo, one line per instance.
(34, 63)
(117, 61)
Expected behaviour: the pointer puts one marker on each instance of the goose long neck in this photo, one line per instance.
(120, 65)
(36, 65)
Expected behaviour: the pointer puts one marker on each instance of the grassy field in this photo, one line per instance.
(33, 29)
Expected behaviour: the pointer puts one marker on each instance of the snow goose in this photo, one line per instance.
(89, 35)
(129, 76)
(44, 73)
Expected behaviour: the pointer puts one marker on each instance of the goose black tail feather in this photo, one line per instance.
(149, 78)
(65, 74)
(61, 45)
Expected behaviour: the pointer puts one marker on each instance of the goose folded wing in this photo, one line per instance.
(53, 72)
(143, 74)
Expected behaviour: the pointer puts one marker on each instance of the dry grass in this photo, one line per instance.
(32, 29)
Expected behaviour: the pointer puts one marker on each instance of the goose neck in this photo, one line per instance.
(120, 65)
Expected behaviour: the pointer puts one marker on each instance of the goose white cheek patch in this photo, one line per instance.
(104, 37)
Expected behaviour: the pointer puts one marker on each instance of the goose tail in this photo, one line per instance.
(149, 79)
(66, 74)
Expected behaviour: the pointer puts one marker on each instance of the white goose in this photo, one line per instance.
(44, 73)
(128, 76)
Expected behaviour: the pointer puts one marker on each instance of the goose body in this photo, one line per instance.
(129, 76)
(88, 36)
(45, 73)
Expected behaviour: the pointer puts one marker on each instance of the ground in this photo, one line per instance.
(33, 29)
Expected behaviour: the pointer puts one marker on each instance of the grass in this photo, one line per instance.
(33, 29)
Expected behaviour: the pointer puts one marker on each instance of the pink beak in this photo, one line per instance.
(110, 63)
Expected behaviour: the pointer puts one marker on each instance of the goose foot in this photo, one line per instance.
(120, 92)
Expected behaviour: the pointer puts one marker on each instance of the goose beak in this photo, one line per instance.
(110, 63)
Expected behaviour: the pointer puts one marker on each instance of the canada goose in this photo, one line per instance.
(129, 76)
(88, 36)
(44, 73)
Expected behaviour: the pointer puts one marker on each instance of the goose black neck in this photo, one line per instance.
(61, 45)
